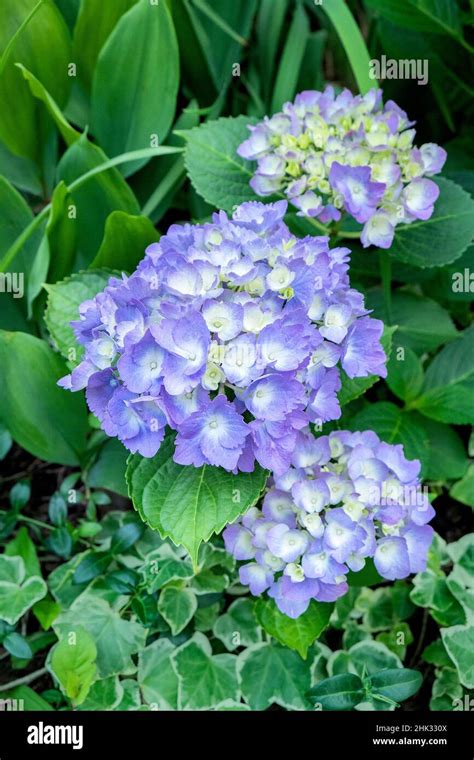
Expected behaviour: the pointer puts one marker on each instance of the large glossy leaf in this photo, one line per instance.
(94, 201)
(134, 96)
(124, 242)
(43, 46)
(95, 21)
(44, 419)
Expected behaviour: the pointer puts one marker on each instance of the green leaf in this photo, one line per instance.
(405, 374)
(32, 702)
(127, 535)
(436, 654)
(91, 567)
(43, 46)
(448, 391)
(222, 29)
(61, 235)
(423, 325)
(42, 418)
(397, 684)
(271, 16)
(393, 425)
(162, 572)
(463, 490)
(447, 455)
(271, 674)
(459, 643)
(105, 694)
(299, 633)
(156, 676)
(386, 607)
(432, 592)
(369, 657)
(397, 639)
(130, 103)
(17, 592)
(352, 388)
(291, 59)
(189, 504)
(443, 237)
(105, 192)
(342, 692)
(68, 133)
(73, 664)
(238, 626)
(368, 576)
(438, 16)
(177, 605)
(64, 299)
(217, 173)
(124, 242)
(116, 639)
(108, 470)
(352, 41)
(15, 216)
(22, 546)
(205, 680)
(46, 612)
(17, 646)
(95, 22)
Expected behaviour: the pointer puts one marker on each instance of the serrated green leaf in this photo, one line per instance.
(217, 173)
(189, 504)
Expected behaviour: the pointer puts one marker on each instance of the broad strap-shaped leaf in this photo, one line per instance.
(189, 504)
(134, 96)
(41, 417)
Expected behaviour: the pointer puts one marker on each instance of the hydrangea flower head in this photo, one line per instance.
(332, 153)
(346, 497)
(232, 333)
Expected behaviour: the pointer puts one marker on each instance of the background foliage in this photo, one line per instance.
(118, 118)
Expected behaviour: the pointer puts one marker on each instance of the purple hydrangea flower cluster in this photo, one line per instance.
(330, 153)
(346, 497)
(233, 333)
